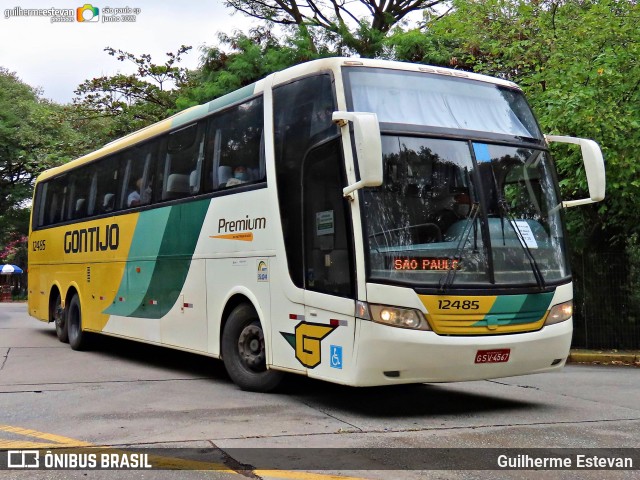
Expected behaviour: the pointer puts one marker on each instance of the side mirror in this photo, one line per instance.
(368, 143)
(593, 165)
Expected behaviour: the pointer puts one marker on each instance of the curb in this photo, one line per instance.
(602, 356)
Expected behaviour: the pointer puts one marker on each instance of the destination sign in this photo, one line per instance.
(425, 263)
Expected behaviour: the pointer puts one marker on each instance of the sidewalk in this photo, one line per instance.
(605, 357)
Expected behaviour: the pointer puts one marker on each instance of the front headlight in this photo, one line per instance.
(399, 317)
(560, 313)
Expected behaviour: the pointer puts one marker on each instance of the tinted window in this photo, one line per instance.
(302, 119)
(138, 172)
(56, 202)
(183, 162)
(328, 261)
(79, 190)
(106, 185)
(236, 146)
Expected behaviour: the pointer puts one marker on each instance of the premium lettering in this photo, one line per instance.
(243, 225)
(94, 239)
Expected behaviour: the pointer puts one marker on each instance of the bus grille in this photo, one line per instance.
(486, 315)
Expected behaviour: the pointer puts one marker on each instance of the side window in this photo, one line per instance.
(56, 204)
(79, 192)
(302, 119)
(137, 165)
(236, 146)
(39, 205)
(183, 162)
(106, 185)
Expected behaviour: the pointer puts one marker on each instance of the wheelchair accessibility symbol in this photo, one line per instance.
(336, 357)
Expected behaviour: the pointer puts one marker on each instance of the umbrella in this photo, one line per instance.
(11, 269)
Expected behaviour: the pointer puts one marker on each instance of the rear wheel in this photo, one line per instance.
(244, 353)
(57, 316)
(77, 338)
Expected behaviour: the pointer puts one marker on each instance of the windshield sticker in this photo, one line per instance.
(525, 234)
(263, 271)
(482, 152)
(324, 223)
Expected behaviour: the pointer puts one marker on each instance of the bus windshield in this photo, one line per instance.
(417, 98)
(462, 213)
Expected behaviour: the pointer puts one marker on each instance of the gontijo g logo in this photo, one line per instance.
(87, 13)
(306, 341)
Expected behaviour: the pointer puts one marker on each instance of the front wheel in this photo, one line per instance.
(244, 354)
(78, 339)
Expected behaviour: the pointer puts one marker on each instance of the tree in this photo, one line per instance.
(244, 58)
(133, 100)
(34, 136)
(576, 61)
(360, 26)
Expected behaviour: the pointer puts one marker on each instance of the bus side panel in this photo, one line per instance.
(88, 255)
(185, 325)
(285, 315)
(38, 302)
(237, 276)
(98, 293)
(237, 241)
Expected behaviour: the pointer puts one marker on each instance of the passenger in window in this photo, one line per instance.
(240, 176)
(138, 196)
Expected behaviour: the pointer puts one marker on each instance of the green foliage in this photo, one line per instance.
(577, 62)
(34, 136)
(356, 27)
(135, 100)
(251, 57)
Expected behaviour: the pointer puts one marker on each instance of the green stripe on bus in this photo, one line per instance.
(517, 309)
(145, 246)
(191, 115)
(159, 260)
(174, 259)
(229, 98)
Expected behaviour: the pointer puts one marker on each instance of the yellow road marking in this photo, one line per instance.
(170, 463)
(54, 440)
(302, 475)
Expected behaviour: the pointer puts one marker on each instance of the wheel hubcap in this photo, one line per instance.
(57, 315)
(251, 347)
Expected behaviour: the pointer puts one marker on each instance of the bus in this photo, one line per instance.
(358, 221)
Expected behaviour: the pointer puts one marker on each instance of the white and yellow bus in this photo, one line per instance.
(358, 221)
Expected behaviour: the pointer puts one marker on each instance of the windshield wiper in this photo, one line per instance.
(455, 260)
(504, 212)
(504, 209)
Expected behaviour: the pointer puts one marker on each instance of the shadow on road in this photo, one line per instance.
(390, 401)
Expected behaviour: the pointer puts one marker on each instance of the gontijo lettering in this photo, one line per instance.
(94, 239)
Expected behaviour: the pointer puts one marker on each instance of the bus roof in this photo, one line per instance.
(194, 113)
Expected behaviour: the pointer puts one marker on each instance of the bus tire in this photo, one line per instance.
(77, 337)
(58, 317)
(244, 354)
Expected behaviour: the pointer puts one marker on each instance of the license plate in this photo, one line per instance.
(500, 355)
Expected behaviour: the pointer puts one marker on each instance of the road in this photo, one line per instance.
(124, 395)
